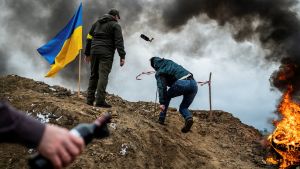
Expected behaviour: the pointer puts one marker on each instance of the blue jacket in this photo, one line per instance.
(167, 72)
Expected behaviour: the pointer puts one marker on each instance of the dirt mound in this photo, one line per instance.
(217, 139)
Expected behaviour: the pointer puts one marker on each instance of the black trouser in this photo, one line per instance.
(100, 68)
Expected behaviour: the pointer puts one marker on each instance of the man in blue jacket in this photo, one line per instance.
(180, 82)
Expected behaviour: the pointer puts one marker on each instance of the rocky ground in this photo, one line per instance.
(217, 140)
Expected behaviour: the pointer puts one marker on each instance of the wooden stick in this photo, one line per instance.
(155, 101)
(209, 87)
(79, 71)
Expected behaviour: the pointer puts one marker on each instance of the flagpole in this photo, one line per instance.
(79, 71)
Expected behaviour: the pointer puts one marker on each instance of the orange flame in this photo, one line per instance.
(286, 137)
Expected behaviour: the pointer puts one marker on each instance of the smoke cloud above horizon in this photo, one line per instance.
(241, 40)
(272, 21)
(26, 23)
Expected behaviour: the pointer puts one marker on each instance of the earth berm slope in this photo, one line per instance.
(217, 140)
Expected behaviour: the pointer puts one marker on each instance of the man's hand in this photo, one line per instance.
(122, 62)
(59, 146)
(162, 107)
(87, 59)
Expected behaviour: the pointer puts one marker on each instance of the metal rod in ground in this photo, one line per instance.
(79, 72)
(209, 87)
(155, 101)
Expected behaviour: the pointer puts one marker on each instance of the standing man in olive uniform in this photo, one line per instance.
(103, 39)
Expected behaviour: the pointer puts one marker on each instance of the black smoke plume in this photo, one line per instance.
(273, 21)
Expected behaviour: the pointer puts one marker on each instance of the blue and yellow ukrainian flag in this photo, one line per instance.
(65, 46)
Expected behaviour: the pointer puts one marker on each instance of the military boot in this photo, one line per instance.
(187, 126)
(103, 105)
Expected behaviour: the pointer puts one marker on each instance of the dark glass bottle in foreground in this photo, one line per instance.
(87, 131)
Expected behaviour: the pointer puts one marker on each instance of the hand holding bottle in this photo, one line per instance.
(59, 147)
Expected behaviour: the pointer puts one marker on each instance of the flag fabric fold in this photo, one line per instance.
(65, 46)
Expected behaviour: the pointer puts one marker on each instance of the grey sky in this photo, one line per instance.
(240, 77)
